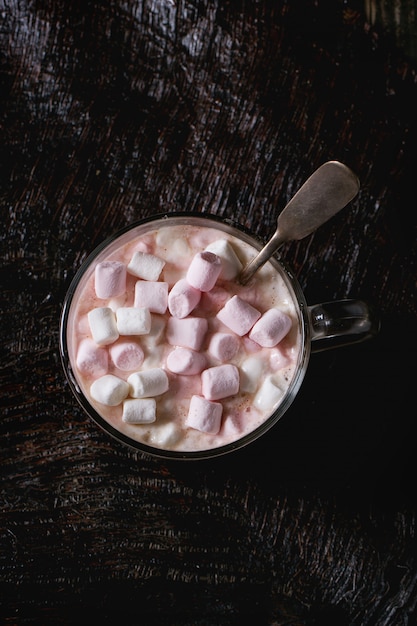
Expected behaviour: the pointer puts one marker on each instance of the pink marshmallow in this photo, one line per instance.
(238, 315)
(183, 298)
(143, 246)
(110, 279)
(271, 328)
(127, 355)
(204, 270)
(152, 295)
(185, 361)
(224, 346)
(212, 301)
(204, 415)
(220, 381)
(187, 333)
(278, 358)
(250, 346)
(91, 359)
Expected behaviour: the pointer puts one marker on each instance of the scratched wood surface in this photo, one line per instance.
(112, 111)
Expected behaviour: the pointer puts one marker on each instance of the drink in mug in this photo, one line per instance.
(166, 350)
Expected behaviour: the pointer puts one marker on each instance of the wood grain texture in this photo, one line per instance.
(113, 111)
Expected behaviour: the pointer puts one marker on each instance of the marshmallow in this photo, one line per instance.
(116, 303)
(220, 381)
(223, 346)
(185, 361)
(204, 415)
(278, 359)
(103, 326)
(212, 301)
(156, 334)
(238, 315)
(204, 270)
(250, 346)
(232, 427)
(146, 266)
(91, 359)
(268, 395)
(143, 245)
(250, 374)
(126, 355)
(183, 298)
(148, 383)
(164, 435)
(152, 295)
(153, 358)
(271, 328)
(109, 389)
(188, 332)
(139, 411)
(133, 320)
(231, 265)
(110, 279)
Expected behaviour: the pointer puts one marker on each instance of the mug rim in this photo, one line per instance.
(233, 228)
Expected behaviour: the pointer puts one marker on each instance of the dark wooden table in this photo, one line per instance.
(112, 111)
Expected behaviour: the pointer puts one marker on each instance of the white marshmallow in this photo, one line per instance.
(183, 298)
(146, 266)
(116, 303)
(204, 415)
(204, 270)
(148, 383)
(91, 359)
(127, 355)
(223, 346)
(231, 264)
(174, 245)
(271, 328)
(109, 389)
(156, 333)
(102, 321)
(164, 435)
(268, 395)
(152, 295)
(133, 320)
(220, 381)
(139, 411)
(251, 374)
(238, 315)
(185, 361)
(153, 358)
(110, 279)
(188, 332)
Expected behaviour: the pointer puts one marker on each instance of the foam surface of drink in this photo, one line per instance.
(265, 373)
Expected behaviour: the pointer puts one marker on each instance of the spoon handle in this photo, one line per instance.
(262, 257)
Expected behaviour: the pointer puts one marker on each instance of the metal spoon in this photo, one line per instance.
(330, 188)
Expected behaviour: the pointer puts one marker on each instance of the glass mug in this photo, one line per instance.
(246, 414)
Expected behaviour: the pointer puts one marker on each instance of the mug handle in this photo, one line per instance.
(340, 323)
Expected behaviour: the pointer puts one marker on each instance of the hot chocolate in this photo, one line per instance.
(170, 349)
